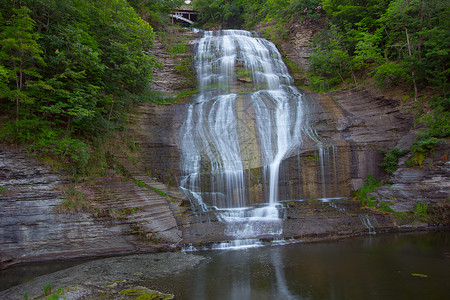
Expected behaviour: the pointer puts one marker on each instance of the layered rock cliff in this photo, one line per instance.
(144, 211)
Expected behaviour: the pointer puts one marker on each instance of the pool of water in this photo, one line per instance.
(393, 266)
(387, 266)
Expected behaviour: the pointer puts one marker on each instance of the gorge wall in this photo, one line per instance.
(145, 211)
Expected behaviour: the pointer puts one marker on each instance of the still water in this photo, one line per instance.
(393, 266)
(387, 266)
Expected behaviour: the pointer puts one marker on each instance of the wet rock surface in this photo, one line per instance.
(106, 278)
(303, 220)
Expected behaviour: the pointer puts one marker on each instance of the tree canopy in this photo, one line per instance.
(69, 68)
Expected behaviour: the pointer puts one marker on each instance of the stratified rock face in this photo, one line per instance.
(155, 130)
(366, 123)
(30, 225)
(166, 79)
(352, 125)
(298, 48)
(429, 185)
(34, 226)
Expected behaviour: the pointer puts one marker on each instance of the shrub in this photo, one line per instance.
(384, 206)
(390, 160)
(420, 210)
(438, 120)
(422, 148)
(389, 73)
(41, 139)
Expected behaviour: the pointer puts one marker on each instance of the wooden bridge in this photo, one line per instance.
(185, 14)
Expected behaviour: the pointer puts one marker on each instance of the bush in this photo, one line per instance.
(389, 73)
(422, 148)
(40, 139)
(438, 120)
(390, 160)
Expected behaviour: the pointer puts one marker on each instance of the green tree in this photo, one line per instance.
(20, 55)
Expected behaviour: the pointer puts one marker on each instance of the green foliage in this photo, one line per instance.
(185, 69)
(47, 289)
(367, 52)
(384, 206)
(74, 200)
(389, 74)
(276, 32)
(143, 293)
(43, 140)
(421, 210)
(422, 148)
(390, 159)
(330, 62)
(73, 68)
(50, 294)
(155, 12)
(370, 184)
(162, 193)
(437, 120)
(311, 9)
(227, 14)
(3, 190)
(20, 56)
(249, 13)
(178, 49)
(140, 183)
(187, 93)
(402, 41)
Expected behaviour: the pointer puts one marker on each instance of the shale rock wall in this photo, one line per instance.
(146, 212)
(121, 217)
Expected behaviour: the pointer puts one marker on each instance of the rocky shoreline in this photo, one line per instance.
(105, 278)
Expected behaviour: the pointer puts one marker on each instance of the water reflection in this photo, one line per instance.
(413, 266)
(388, 266)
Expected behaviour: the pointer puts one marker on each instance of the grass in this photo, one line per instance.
(143, 293)
(75, 201)
(140, 183)
(3, 190)
(186, 94)
(421, 210)
(371, 183)
(123, 212)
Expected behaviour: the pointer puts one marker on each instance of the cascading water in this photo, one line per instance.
(245, 120)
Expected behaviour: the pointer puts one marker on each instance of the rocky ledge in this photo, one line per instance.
(109, 278)
(125, 215)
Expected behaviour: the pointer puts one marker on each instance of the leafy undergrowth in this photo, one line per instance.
(370, 184)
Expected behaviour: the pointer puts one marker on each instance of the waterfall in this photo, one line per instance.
(246, 119)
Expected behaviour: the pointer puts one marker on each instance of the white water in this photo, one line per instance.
(225, 122)
(367, 221)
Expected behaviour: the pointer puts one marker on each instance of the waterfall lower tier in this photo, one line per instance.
(245, 136)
